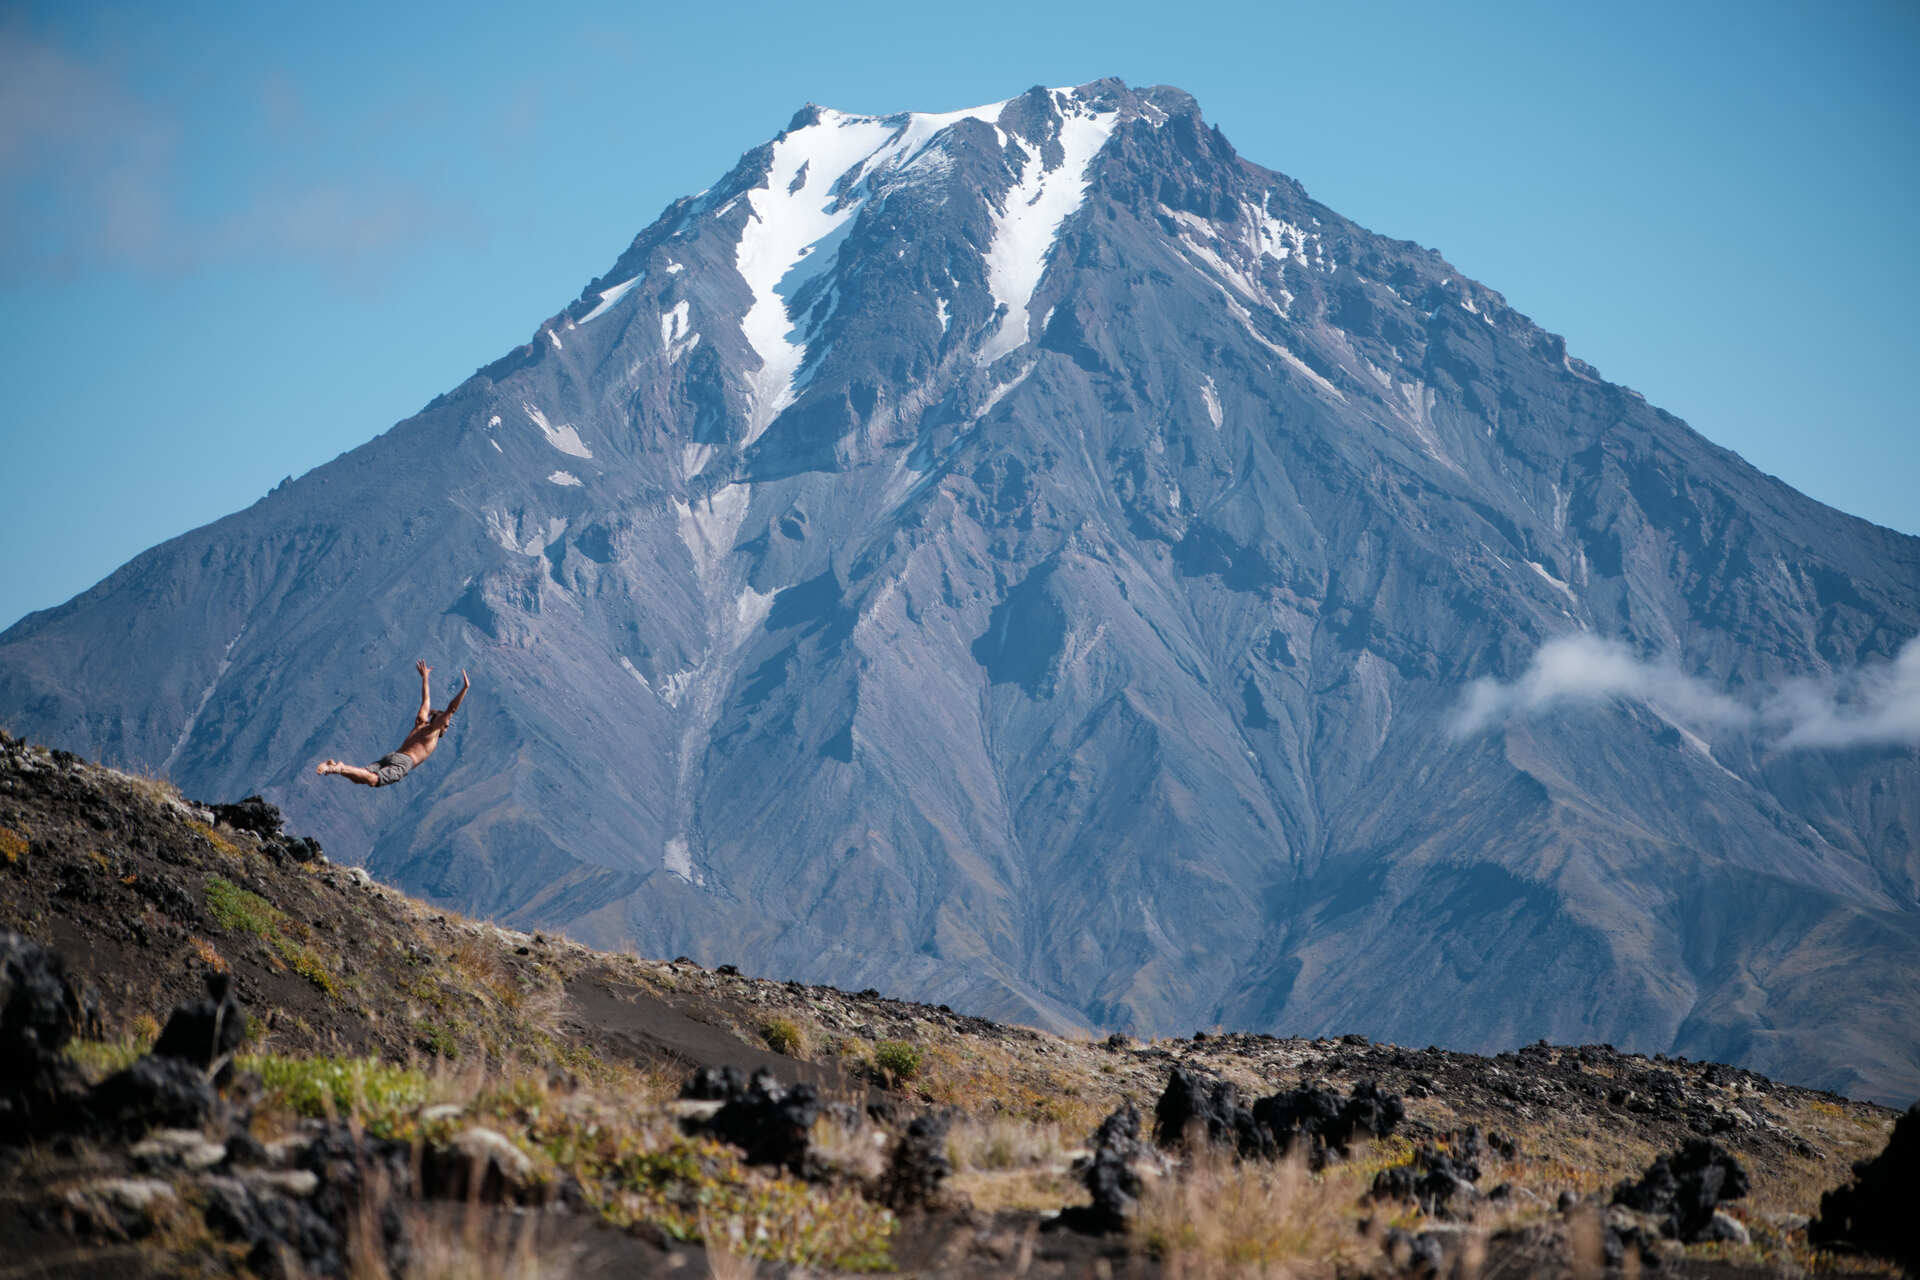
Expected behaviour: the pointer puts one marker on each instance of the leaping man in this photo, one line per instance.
(428, 725)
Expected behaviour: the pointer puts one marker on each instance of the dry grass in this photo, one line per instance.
(460, 1244)
(997, 1143)
(857, 1150)
(1225, 1217)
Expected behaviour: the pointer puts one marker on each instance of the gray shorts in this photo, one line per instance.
(392, 768)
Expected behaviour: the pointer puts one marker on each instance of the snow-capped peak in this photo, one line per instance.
(824, 168)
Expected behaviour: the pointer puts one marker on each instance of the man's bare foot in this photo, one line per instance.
(327, 766)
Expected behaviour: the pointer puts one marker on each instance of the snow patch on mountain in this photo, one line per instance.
(563, 437)
(676, 332)
(610, 296)
(1029, 219)
(792, 214)
(565, 479)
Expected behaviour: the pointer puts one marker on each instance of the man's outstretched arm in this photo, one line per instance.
(454, 706)
(426, 697)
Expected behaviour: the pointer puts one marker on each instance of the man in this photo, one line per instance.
(428, 725)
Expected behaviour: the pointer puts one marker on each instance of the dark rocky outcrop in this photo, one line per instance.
(918, 1166)
(770, 1123)
(153, 1092)
(1312, 1118)
(1878, 1212)
(1194, 1105)
(1439, 1182)
(1684, 1189)
(275, 1229)
(41, 1009)
(1110, 1176)
(206, 1031)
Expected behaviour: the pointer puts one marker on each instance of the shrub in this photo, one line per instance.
(899, 1060)
(783, 1036)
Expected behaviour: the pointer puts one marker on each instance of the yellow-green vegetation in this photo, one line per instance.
(899, 1060)
(101, 1058)
(241, 910)
(635, 1166)
(783, 1036)
(381, 1097)
(13, 845)
(696, 1189)
(234, 908)
(218, 841)
(438, 1040)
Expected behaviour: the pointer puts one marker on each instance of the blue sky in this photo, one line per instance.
(237, 240)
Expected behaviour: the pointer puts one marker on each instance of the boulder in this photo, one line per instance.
(206, 1030)
(1193, 1104)
(1315, 1117)
(252, 814)
(41, 1009)
(919, 1167)
(1110, 1175)
(153, 1093)
(1683, 1189)
(1875, 1212)
(772, 1125)
(282, 1234)
(479, 1164)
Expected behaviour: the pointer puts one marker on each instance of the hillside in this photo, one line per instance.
(423, 1094)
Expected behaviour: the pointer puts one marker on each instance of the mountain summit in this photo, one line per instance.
(1034, 559)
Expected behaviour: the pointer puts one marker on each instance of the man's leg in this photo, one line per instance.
(351, 772)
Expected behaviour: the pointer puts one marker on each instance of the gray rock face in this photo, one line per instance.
(1029, 560)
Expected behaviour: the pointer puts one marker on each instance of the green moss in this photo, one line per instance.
(239, 910)
(898, 1059)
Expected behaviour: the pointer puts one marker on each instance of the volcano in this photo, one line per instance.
(1034, 559)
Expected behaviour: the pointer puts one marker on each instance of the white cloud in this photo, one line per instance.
(1878, 703)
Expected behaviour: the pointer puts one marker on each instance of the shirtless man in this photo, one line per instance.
(428, 725)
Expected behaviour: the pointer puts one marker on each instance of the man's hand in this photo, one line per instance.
(465, 683)
(422, 667)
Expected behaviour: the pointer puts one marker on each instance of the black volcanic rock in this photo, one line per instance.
(1110, 1176)
(153, 1093)
(1875, 1213)
(41, 1009)
(1683, 1189)
(1065, 627)
(918, 1166)
(206, 1030)
(1207, 1108)
(770, 1123)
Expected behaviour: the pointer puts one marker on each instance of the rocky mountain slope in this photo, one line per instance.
(382, 1089)
(1035, 559)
